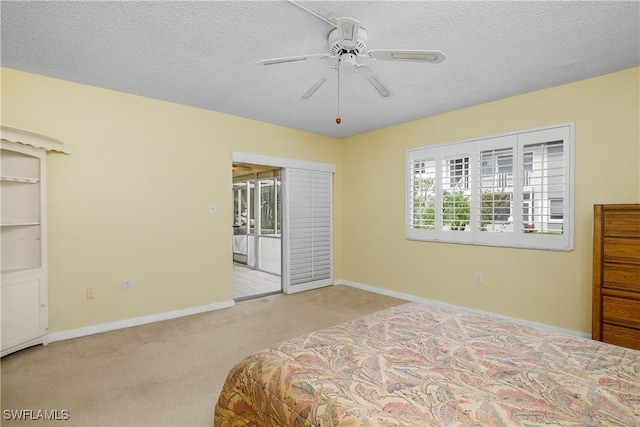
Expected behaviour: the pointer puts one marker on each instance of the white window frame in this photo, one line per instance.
(516, 237)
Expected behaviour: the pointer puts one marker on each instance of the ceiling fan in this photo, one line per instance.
(347, 45)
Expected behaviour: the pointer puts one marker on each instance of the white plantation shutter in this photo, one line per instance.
(546, 187)
(495, 186)
(309, 227)
(514, 190)
(454, 191)
(422, 194)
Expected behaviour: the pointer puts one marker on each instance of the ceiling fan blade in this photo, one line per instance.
(272, 61)
(309, 93)
(374, 80)
(430, 56)
(348, 29)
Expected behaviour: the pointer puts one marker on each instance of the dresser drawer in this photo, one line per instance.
(622, 276)
(624, 223)
(619, 311)
(622, 250)
(619, 335)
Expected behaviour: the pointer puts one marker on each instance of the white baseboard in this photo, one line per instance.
(136, 321)
(414, 298)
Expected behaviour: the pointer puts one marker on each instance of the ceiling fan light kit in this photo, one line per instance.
(348, 43)
(355, 41)
(348, 30)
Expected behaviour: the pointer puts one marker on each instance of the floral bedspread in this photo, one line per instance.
(427, 365)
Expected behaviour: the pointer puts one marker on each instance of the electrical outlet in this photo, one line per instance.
(91, 293)
(478, 278)
(126, 285)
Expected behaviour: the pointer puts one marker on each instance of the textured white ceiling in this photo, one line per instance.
(203, 54)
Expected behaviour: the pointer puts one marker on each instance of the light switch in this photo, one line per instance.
(212, 208)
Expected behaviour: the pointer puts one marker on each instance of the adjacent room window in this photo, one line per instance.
(270, 215)
(511, 190)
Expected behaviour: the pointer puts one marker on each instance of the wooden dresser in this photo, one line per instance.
(616, 274)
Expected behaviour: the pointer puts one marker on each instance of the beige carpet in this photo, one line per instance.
(167, 373)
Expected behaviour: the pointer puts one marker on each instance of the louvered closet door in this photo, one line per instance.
(308, 257)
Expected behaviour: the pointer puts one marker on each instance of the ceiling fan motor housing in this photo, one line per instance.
(336, 48)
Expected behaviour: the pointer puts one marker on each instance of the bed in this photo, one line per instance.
(430, 365)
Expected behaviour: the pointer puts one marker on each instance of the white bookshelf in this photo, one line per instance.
(23, 229)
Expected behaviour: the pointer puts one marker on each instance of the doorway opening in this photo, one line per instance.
(257, 231)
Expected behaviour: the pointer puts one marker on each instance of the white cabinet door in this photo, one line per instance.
(24, 312)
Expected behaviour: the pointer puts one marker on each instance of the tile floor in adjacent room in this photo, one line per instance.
(248, 282)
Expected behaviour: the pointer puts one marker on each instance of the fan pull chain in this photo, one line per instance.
(338, 119)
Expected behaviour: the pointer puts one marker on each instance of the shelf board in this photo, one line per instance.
(20, 224)
(20, 179)
(27, 270)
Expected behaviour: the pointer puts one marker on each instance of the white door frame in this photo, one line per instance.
(284, 163)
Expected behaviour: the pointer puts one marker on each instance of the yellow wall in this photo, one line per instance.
(548, 287)
(132, 200)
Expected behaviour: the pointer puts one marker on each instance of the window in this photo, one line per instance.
(527, 168)
(458, 173)
(243, 211)
(423, 193)
(267, 186)
(270, 214)
(496, 188)
(455, 197)
(511, 190)
(555, 209)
